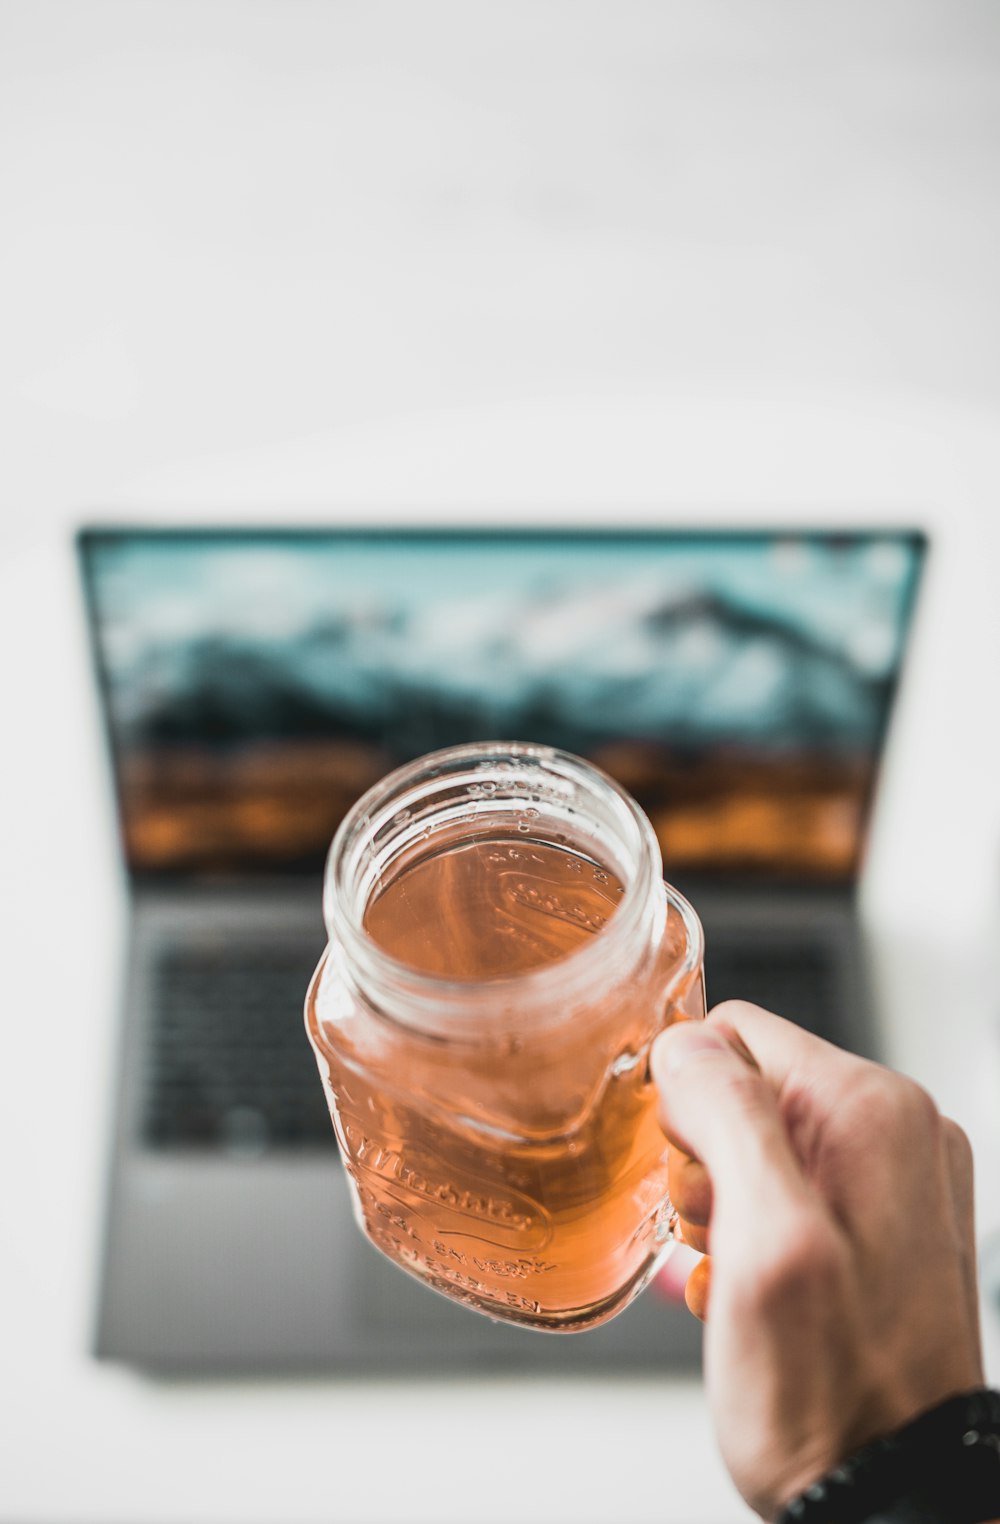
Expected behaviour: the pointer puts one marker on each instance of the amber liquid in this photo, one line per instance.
(491, 909)
(523, 1174)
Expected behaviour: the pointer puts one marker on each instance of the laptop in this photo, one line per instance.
(254, 683)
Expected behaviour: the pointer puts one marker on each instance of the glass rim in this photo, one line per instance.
(345, 921)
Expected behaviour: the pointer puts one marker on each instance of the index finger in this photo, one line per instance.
(779, 1048)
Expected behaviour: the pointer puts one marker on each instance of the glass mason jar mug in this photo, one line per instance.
(502, 952)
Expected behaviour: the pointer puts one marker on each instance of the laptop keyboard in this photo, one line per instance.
(797, 982)
(230, 1067)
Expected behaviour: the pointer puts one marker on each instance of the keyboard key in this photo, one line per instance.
(230, 1067)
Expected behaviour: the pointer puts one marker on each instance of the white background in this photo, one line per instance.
(596, 262)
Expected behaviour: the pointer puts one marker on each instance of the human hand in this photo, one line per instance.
(836, 1205)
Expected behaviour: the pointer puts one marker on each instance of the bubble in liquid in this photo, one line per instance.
(524, 825)
(489, 787)
(530, 814)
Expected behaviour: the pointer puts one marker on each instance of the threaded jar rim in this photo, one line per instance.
(569, 802)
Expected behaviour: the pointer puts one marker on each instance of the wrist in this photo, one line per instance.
(942, 1466)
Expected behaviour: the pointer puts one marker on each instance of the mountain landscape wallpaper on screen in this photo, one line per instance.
(736, 685)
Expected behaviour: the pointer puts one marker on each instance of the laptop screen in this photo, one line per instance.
(738, 684)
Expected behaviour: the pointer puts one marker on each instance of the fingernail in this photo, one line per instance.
(685, 1041)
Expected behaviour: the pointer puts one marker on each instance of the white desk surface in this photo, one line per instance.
(451, 263)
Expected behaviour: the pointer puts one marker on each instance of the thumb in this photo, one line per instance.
(717, 1106)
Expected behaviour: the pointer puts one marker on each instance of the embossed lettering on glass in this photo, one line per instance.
(502, 952)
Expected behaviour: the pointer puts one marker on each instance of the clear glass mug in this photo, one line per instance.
(502, 952)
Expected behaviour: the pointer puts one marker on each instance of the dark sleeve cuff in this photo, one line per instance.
(942, 1468)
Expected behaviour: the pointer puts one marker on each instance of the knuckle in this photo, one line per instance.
(916, 1113)
(921, 1108)
(958, 1145)
(894, 1106)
